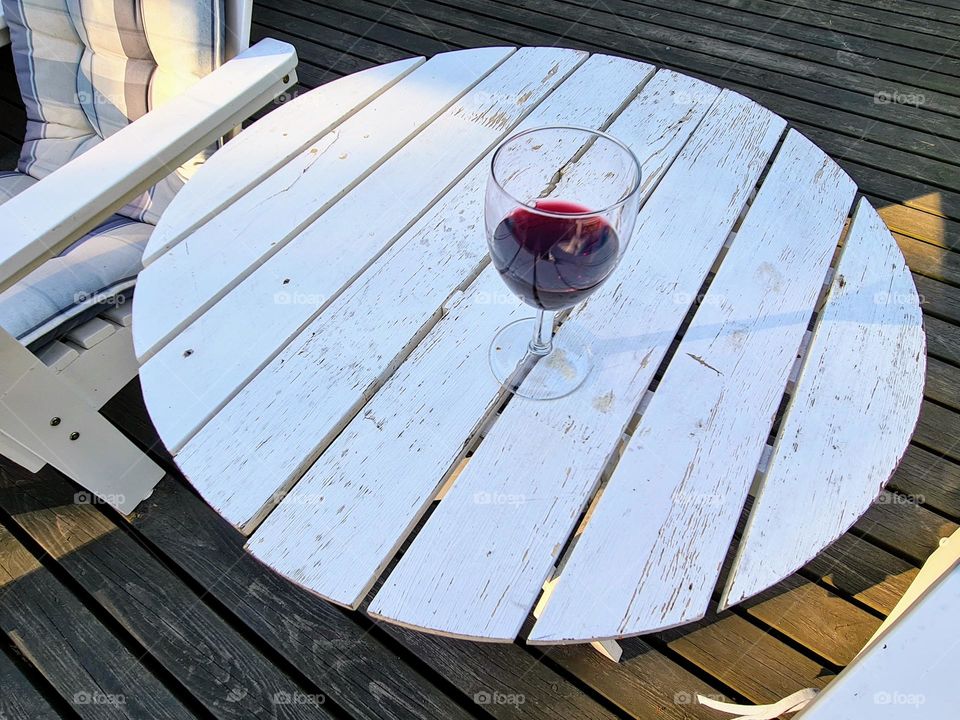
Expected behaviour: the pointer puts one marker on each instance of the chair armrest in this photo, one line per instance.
(44, 219)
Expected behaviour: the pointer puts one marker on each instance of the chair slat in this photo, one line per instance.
(94, 331)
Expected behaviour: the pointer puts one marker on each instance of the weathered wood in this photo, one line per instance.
(690, 51)
(899, 658)
(353, 670)
(850, 416)
(930, 260)
(20, 699)
(917, 223)
(938, 429)
(943, 384)
(268, 216)
(267, 145)
(301, 280)
(339, 14)
(331, 37)
(695, 452)
(216, 665)
(500, 679)
(859, 569)
(943, 340)
(669, 15)
(815, 617)
(645, 683)
(746, 658)
(484, 592)
(898, 523)
(856, 52)
(930, 480)
(354, 520)
(89, 667)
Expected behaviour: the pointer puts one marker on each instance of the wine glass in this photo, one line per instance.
(560, 207)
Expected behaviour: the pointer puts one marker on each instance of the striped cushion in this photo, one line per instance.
(87, 68)
(92, 270)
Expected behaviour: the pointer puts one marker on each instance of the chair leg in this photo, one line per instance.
(10, 448)
(52, 420)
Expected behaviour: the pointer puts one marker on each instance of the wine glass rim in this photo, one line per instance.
(634, 189)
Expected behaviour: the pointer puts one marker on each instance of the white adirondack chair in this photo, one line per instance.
(907, 669)
(55, 375)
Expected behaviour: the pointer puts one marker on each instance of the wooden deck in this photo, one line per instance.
(165, 616)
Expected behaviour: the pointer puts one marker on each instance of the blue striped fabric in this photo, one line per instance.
(86, 69)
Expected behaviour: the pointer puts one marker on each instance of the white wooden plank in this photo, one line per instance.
(214, 357)
(83, 445)
(103, 370)
(850, 418)
(58, 355)
(199, 270)
(651, 554)
(476, 571)
(120, 313)
(45, 218)
(347, 519)
(91, 332)
(267, 145)
(12, 450)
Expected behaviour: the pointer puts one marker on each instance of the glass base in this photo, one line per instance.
(538, 377)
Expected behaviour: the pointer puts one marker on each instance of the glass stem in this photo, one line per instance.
(542, 342)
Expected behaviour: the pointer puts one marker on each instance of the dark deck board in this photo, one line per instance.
(818, 63)
(67, 644)
(218, 667)
(19, 699)
(352, 668)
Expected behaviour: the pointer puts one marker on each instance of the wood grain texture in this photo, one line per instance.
(279, 457)
(267, 145)
(217, 666)
(870, 686)
(355, 520)
(356, 671)
(815, 618)
(20, 700)
(502, 679)
(303, 278)
(646, 683)
(79, 657)
(745, 657)
(651, 554)
(197, 272)
(477, 567)
(850, 417)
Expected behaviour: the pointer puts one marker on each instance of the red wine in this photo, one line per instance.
(553, 262)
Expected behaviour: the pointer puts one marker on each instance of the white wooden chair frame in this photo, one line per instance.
(49, 404)
(907, 666)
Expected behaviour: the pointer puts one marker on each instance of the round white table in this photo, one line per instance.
(315, 313)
